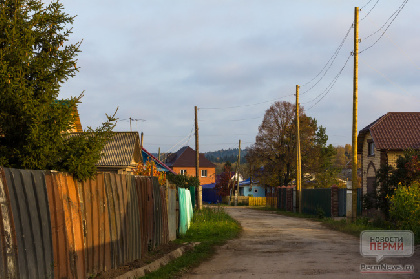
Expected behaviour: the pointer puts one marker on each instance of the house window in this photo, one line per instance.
(183, 172)
(371, 148)
(203, 173)
(256, 190)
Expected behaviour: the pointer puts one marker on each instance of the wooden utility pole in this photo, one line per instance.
(354, 182)
(298, 159)
(237, 174)
(159, 154)
(197, 161)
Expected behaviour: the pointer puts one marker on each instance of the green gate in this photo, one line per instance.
(315, 201)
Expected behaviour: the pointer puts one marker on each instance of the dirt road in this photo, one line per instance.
(275, 246)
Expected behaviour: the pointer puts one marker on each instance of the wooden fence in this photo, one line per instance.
(52, 226)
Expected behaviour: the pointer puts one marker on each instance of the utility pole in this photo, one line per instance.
(298, 159)
(354, 182)
(159, 154)
(197, 161)
(237, 174)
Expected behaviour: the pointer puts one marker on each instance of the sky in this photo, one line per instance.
(156, 60)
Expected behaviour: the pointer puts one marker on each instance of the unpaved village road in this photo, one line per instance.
(275, 246)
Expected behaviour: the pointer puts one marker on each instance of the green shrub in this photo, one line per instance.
(405, 208)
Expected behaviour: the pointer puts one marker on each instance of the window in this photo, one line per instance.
(183, 172)
(256, 190)
(371, 148)
(203, 173)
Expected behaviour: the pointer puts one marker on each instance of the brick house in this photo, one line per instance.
(184, 162)
(383, 141)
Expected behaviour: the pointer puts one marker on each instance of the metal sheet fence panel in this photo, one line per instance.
(140, 189)
(75, 214)
(133, 219)
(8, 243)
(61, 266)
(112, 219)
(81, 227)
(315, 200)
(124, 211)
(29, 206)
(342, 202)
(172, 214)
(44, 217)
(157, 213)
(104, 224)
(165, 230)
(149, 212)
(96, 225)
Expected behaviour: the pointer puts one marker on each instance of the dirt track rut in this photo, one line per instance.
(275, 246)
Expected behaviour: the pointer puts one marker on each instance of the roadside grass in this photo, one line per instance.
(211, 226)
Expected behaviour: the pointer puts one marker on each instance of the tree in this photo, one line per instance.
(224, 182)
(35, 61)
(183, 181)
(274, 151)
(388, 178)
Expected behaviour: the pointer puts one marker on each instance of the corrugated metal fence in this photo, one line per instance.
(52, 226)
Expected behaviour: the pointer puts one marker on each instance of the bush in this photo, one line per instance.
(405, 208)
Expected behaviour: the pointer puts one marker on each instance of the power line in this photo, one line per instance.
(234, 120)
(330, 86)
(399, 49)
(248, 105)
(369, 10)
(330, 62)
(392, 18)
(365, 5)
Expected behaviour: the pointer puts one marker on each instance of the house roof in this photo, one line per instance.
(160, 165)
(393, 131)
(186, 157)
(122, 150)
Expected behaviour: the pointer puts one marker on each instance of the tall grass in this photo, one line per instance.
(210, 227)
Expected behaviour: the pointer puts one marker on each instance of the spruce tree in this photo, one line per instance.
(35, 60)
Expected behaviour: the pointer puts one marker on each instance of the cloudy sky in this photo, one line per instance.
(156, 60)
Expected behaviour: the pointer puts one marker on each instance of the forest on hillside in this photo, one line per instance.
(228, 155)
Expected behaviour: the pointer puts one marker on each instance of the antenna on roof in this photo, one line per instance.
(132, 119)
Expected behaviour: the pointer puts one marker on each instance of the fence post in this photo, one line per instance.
(334, 201)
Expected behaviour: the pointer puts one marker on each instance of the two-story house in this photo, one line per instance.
(383, 141)
(184, 162)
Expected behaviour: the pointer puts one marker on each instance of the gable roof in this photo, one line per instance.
(186, 157)
(393, 131)
(122, 150)
(160, 165)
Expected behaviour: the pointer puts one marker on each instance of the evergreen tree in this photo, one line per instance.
(34, 62)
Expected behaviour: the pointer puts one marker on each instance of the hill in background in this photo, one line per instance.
(229, 155)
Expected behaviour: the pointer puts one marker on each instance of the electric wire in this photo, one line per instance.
(367, 14)
(365, 5)
(179, 143)
(392, 18)
(233, 120)
(330, 86)
(330, 63)
(248, 105)
(409, 59)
